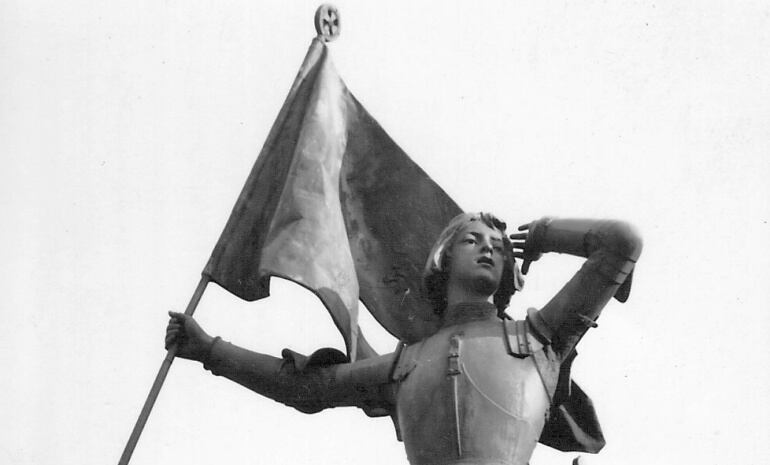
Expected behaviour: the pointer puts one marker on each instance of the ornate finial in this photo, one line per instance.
(327, 22)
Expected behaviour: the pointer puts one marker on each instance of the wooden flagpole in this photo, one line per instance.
(159, 379)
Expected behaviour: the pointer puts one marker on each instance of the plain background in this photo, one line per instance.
(127, 130)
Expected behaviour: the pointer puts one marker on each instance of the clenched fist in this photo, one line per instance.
(183, 331)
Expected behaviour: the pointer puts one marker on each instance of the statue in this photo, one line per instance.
(482, 389)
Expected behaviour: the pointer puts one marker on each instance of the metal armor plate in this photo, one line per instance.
(463, 399)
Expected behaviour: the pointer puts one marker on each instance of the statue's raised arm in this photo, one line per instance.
(611, 249)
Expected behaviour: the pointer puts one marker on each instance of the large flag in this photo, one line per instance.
(332, 203)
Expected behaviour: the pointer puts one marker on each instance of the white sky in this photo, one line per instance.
(128, 128)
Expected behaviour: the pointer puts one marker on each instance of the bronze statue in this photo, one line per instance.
(482, 389)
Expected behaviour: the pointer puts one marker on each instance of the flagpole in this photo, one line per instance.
(159, 379)
(327, 25)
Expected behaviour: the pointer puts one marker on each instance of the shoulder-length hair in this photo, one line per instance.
(436, 273)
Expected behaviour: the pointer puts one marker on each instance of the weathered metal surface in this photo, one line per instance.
(335, 205)
(393, 212)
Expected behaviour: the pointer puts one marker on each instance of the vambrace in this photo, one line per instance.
(611, 249)
(309, 384)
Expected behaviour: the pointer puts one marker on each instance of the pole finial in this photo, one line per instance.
(327, 22)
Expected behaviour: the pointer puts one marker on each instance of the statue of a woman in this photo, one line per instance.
(482, 389)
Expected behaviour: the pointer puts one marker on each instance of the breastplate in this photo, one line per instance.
(464, 399)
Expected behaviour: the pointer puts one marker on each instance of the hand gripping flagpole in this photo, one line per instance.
(327, 25)
(159, 379)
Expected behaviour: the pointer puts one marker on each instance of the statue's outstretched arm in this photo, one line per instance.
(611, 249)
(307, 384)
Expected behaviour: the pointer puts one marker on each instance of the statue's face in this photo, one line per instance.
(476, 258)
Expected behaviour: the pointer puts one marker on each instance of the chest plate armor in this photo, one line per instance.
(472, 394)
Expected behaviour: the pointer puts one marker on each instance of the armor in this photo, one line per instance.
(463, 398)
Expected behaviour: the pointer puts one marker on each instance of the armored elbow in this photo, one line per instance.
(622, 239)
(306, 383)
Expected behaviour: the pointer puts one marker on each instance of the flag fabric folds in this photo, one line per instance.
(333, 204)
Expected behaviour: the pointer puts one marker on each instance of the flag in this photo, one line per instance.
(333, 204)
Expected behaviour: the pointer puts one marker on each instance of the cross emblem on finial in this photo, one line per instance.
(327, 22)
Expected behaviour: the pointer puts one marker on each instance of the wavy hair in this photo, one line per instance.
(436, 273)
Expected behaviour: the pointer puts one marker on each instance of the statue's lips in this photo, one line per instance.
(486, 261)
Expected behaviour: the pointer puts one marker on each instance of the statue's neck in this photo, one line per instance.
(468, 311)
